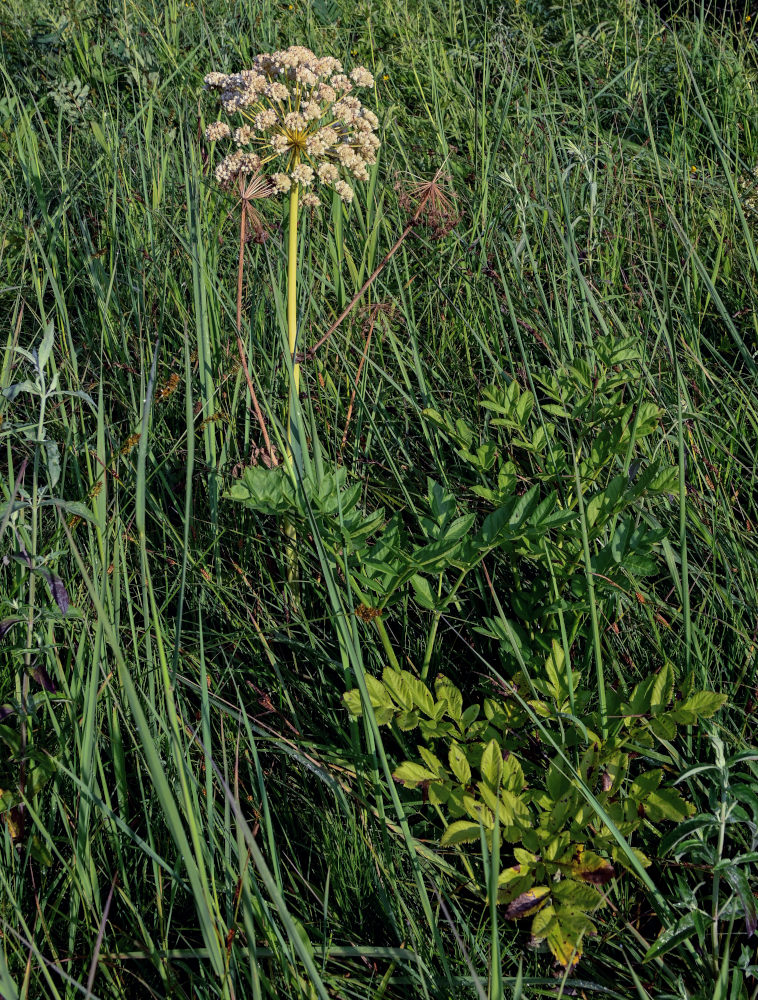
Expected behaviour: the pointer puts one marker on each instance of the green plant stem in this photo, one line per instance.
(292, 306)
(593, 606)
(436, 622)
(430, 645)
(386, 644)
(288, 527)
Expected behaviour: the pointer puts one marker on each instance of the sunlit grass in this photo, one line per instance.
(201, 816)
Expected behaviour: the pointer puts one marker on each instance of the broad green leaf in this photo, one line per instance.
(667, 481)
(555, 668)
(353, 703)
(517, 810)
(411, 774)
(378, 693)
(492, 764)
(667, 803)
(407, 721)
(672, 937)
(470, 716)
(663, 688)
(513, 775)
(446, 691)
(644, 784)
(563, 930)
(459, 765)
(459, 527)
(524, 408)
(704, 704)
(577, 894)
(395, 685)
(423, 592)
(422, 696)
(463, 831)
(433, 762)
(495, 524)
(663, 726)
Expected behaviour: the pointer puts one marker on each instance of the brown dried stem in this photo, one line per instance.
(431, 200)
(371, 323)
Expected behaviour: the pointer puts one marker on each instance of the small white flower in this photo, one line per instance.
(326, 93)
(249, 163)
(344, 111)
(302, 174)
(328, 136)
(243, 135)
(213, 81)
(341, 83)
(311, 200)
(281, 182)
(265, 119)
(314, 146)
(344, 191)
(216, 131)
(361, 77)
(311, 111)
(277, 91)
(328, 173)
(294, 121)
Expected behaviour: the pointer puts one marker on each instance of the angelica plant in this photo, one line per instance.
(302, 130)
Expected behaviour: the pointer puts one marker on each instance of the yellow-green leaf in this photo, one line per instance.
(411, 774)
(704, 703)
(353, 704)
(578, 894)
(463, 831)
(459, 765)
(527, 903)
(492, 764)
(590, 867)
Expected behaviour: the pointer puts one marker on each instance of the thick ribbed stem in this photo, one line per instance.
(292, 304)
(290, 550)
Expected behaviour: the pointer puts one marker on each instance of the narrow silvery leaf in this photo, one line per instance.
(53, 463)
(13, 390)
(46, 347)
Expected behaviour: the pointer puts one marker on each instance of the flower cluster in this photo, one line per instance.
(302, 123)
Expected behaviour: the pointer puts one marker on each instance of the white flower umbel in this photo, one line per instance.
(298, 109)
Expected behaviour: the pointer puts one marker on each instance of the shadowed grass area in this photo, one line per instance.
(567, 337)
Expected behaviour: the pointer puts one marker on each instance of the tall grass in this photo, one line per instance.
(199, 816)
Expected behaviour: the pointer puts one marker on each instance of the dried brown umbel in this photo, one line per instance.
(430, 203)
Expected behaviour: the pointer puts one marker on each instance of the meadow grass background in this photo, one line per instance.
(201, 817)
